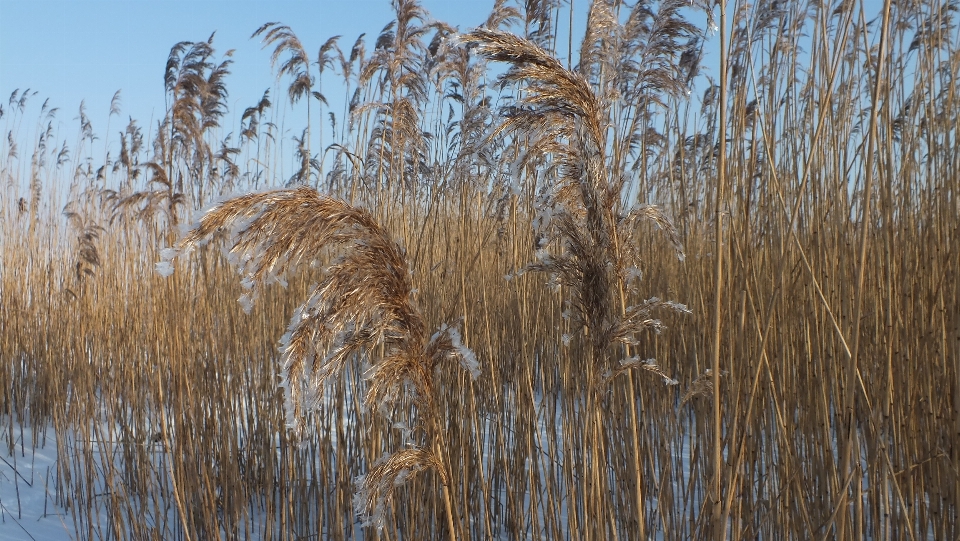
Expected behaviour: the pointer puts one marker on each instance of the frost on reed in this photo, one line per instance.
(587, 241)
(364, 300)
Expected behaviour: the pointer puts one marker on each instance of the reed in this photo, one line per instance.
(528, 209)
(364, 304)
(583, 213)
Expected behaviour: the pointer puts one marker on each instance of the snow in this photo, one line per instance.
(27, 501)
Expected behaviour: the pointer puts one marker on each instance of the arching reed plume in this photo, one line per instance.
(365, 300)
(587, 239)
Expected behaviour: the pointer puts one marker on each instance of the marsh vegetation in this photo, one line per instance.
(501, 295)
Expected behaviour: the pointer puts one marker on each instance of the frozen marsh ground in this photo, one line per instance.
(28, 508)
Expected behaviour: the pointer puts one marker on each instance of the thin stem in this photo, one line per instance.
(719, 524)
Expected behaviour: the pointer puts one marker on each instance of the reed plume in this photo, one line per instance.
(586, 240)
(87, 256)
(365, 300)
(583, 214)
(297, 66)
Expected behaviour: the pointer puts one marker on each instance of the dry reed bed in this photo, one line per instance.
(164, 395)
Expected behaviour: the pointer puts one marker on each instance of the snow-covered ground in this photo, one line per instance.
(28, 509)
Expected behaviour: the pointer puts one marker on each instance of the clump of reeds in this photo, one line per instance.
(163, 395)
(363, 306)
(587, 240)
(87, 252)
(583, 216)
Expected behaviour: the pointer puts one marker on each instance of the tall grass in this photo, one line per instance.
(812, 187)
